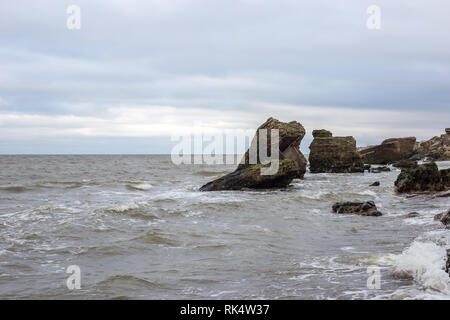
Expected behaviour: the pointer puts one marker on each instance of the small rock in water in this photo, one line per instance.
(375, 184)
(380, 169)
(411, 215)
(367, 167)
(367, 208)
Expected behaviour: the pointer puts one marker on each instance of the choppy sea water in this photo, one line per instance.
(138, 228)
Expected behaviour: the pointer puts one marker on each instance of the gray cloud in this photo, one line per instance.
(229, 56)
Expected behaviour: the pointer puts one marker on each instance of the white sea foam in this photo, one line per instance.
(140, 186)
(425, 263)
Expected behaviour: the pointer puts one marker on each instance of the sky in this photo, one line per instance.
(138, 72)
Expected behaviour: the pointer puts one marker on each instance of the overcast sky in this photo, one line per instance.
(138, 71)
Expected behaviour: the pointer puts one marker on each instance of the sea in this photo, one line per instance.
(137, 227)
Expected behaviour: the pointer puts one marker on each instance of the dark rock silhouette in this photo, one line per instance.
(292, 163)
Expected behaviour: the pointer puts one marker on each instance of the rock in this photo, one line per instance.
(292, 163)
(375, 184)
(367, 167)
(380, 169)
(438, 216)
(405, 163)
(425, 177)
(388, 151)
(367, 208)
(437, 148)
(443, 195)
(445, 219)
(250, 178)
(447, 265)
(334, 154)
(321, 133)
(411, 215)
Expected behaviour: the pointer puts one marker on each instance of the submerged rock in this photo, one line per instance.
(367, 208)
(292, 163)
(388, 151)
(437, 148)
(411, 215)
(333, 154)
(425, 177)
(379, 169)
(443, 217)
(375, 184)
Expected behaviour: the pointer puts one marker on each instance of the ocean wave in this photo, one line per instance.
(424, 262)
(127, 280)
(120, 208)
(13, 189)
(156, 237)
(141, 186)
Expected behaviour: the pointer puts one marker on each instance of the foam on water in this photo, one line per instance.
(146, 220)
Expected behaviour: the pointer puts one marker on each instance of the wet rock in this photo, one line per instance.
(334, 154)
(437, 148)
(445, 218)
(367, 167)
(375, 184)
(251, 178)
(447, 265)
(425, 177)
(292, 163)
(405, 163)
(438, 216)
(388, 151)
(443, 195)
(367, 208)
(379, 169)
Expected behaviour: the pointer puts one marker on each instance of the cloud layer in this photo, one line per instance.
(148, 69)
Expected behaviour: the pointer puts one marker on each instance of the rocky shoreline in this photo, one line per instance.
(339, 155)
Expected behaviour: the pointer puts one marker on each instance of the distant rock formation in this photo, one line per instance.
(426, 177)
(333, 154)
(437, 148)
(292, 163)
(388, 151)
(367, 208)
